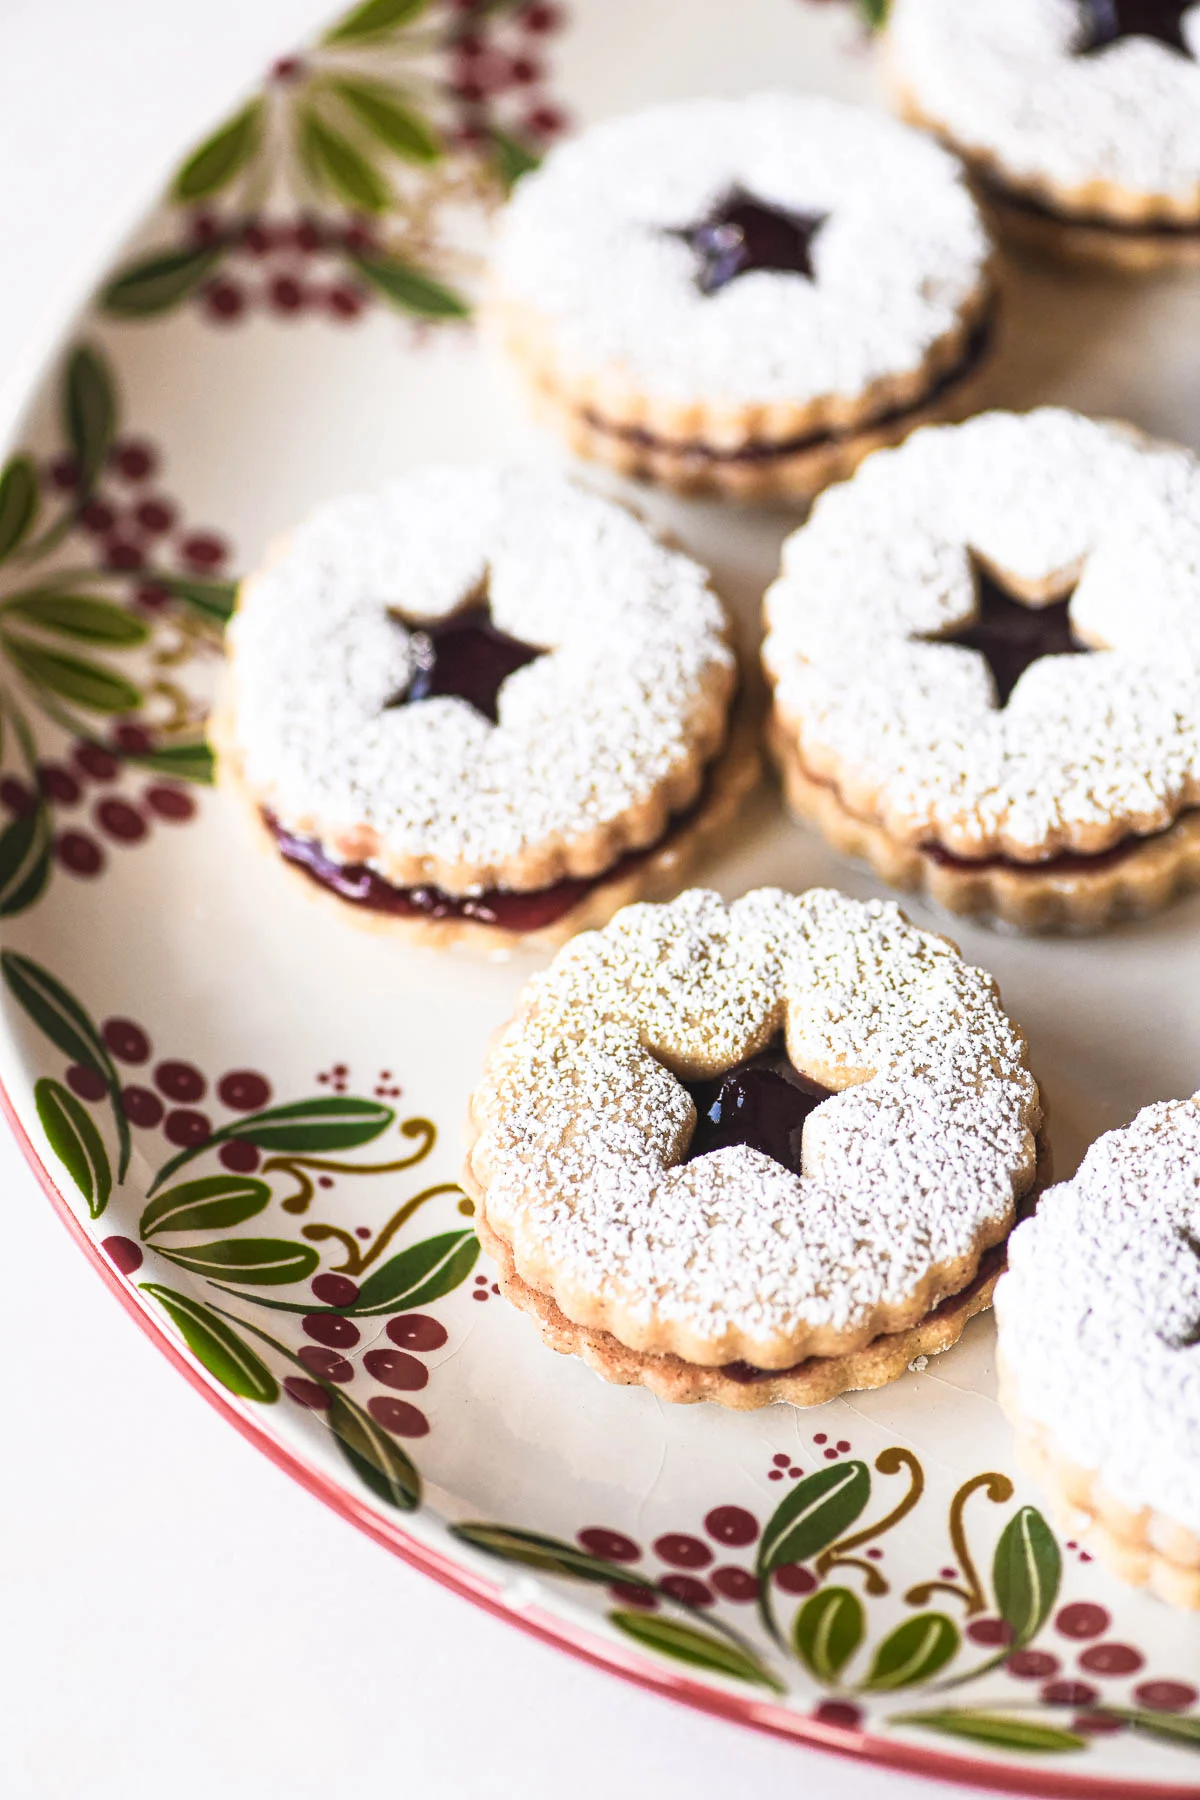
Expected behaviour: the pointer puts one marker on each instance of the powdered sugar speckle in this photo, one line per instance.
(1000, 77)
(1099, 1314)
(587, 244)
(1088, 748)
(913, 1165)
(637, 674)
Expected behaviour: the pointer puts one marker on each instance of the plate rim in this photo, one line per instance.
(558, 1631)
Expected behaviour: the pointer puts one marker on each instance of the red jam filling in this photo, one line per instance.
(764, 452)
(761, 1103)
(465, 656)
(1107, 21)
(1011, 635)
(742, 234)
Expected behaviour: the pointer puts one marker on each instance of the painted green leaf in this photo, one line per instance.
(375, 1457)
(210, 1204)
(913, 1653)
(213, 600)
(25, 851)
(338, 166)
(419, 1275)
(993, 1728)
(302, 1127)
(215, 1344)
(159, 282)
(875, 12)
(89, 412)
(512, 158)
(1175, 1728)
(699, 1649)
(828, 1630)
(71, 678)
(260, 1262)
(56, 1013)
(388, 117)
(551, 1555)
(1026, 1571)
(410, 288)
(18, 503)
(75, 1141)
(372, 18)
(221, 156)
(815, 1512)
(80, 616)
(188, 762)
(59, 1015)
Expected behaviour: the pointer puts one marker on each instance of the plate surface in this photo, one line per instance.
(249, 1114)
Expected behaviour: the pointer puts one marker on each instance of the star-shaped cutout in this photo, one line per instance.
(761, 1103)
(465, 656)
(1011, 635)
(1107, 21)
(742, 233)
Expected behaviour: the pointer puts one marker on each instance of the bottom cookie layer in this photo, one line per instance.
(737, 1385)
(1072, 895)
(1143, 1548)
(795, 470)
(643, 875)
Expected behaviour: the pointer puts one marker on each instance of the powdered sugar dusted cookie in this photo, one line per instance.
(1099, 1320)
(481, 702)
(985, 653)
(745, 294)
(1085, 112)
(720, 1141)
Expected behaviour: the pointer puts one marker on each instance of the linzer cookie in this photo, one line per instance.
(1081, 116)
(985, 654)
(744, 295)
(756, 1152)
(481, 705)
(1099, 1320)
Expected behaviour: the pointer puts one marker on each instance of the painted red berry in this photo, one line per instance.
(1082, 1619)
(95, 762)
(224, 301)
(287, 68)
(238, 1155)
(204, 228)
(330, 1330)
(57, 784)
(396, 1369)
(628, 1594)
(186, 1128)
(990, 1631)
(735, 1584)
(174, 804)
(307, 1393)
(78, 854)
(335, 1290)
(793, 1578)
(417, 1331)
(127, 1041)
(180, 1081)
(96, 516)
(134, 740)
(286, 295)
(205, 550)
(117, 819)
(545, 122)
(123, 1253)
(244, 1090)
(1032, 1665)
(397, 1416)
(134, 459)
(842, 1713)
(142, 1107)
(687, 1590)
(541, 18)
(683, 1551)
(344, 301)
(120, 554)
(156, 515)
(1111, 1659)
(64, 473)
(731, 1525)
(326, 1363)
(88, 1083)
(360, 237)
(1069, 1693)
(16, 796)
(609, 1546)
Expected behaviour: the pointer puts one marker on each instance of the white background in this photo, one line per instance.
(176, 1617)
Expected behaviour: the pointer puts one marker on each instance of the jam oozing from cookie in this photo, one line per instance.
(1107, 21)
(742, 233)
(1011, 635)
(466, 656)
(761, 1103)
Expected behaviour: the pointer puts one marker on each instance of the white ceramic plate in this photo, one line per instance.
(249, 1115)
